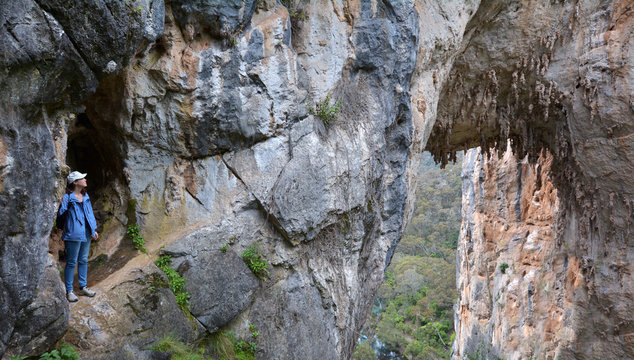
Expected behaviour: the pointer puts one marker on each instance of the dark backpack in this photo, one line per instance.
(60, 220)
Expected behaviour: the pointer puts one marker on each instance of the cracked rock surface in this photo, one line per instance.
(200, 117)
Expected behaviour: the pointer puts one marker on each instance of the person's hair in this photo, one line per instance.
(71, 187)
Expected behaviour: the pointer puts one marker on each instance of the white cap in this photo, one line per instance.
(74, 176)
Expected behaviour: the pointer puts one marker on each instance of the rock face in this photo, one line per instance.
(517, 284)
(48, 63)
(525, 291)
(46, 317)
(197, 122)
(564, 83)
(201, 120)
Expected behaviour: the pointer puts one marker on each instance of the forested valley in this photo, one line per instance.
(413, 313)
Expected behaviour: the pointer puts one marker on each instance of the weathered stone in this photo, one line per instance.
(557, 81)
(135, 305)
(44, 64)
(220, 18)
(209, 128)
(221, 286)
(44, 320)
(26, 210)
(516, 310)
(291, 312)
(107, 33)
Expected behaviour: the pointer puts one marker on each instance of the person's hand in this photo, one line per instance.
(96, 236)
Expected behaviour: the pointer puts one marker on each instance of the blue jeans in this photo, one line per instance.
(76, 255)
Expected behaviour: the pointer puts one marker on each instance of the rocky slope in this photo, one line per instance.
(193, 121)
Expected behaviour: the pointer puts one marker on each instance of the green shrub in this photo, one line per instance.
(503, 267)
(324, 110)
(256, 262)
(364, 351)
(63, 352)
(134, 233)
(179, 350)
(176, 281)
(245, 350)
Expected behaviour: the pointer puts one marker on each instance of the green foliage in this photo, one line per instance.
(245, 350)
(324, 110)
(256, 262)
(224, 247)
(254, 331)
(296, 14)
(176, 281)
(134, 233)
(226, 346)
(503, 267)
(364, 351)
(416, 318)
(178, 350)
(63, 352)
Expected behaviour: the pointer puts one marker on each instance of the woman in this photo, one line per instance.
(80, 227)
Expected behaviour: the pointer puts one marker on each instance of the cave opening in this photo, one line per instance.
(84, 155)
(93, 149)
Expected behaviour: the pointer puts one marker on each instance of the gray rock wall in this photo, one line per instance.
(219, 147)
(48, 65)
(200, 115)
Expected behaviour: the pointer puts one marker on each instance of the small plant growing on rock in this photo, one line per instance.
(254, 331)
(256, 262)
(176, 281)
(324, 110)
(134, 232)
(503, 267)
(226, 345)
(63, 352)
(178, 350)
(246, 350)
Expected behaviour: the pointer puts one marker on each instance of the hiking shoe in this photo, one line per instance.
(86, 292)
(71, 296)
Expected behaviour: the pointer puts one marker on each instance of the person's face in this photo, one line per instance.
(81, 182)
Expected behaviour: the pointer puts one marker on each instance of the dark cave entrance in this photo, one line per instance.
(93, 150)
(84, 155)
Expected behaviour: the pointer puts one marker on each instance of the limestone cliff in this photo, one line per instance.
(193, 121)
(553, 76)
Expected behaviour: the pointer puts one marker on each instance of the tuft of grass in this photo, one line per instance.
(176, 281)
(178, 350)
(256, 262)
(226, 345)
(134, 233)
(326, 112)
(223, 344)
(503, 267)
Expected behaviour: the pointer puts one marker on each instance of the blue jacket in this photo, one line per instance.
(77, 215)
